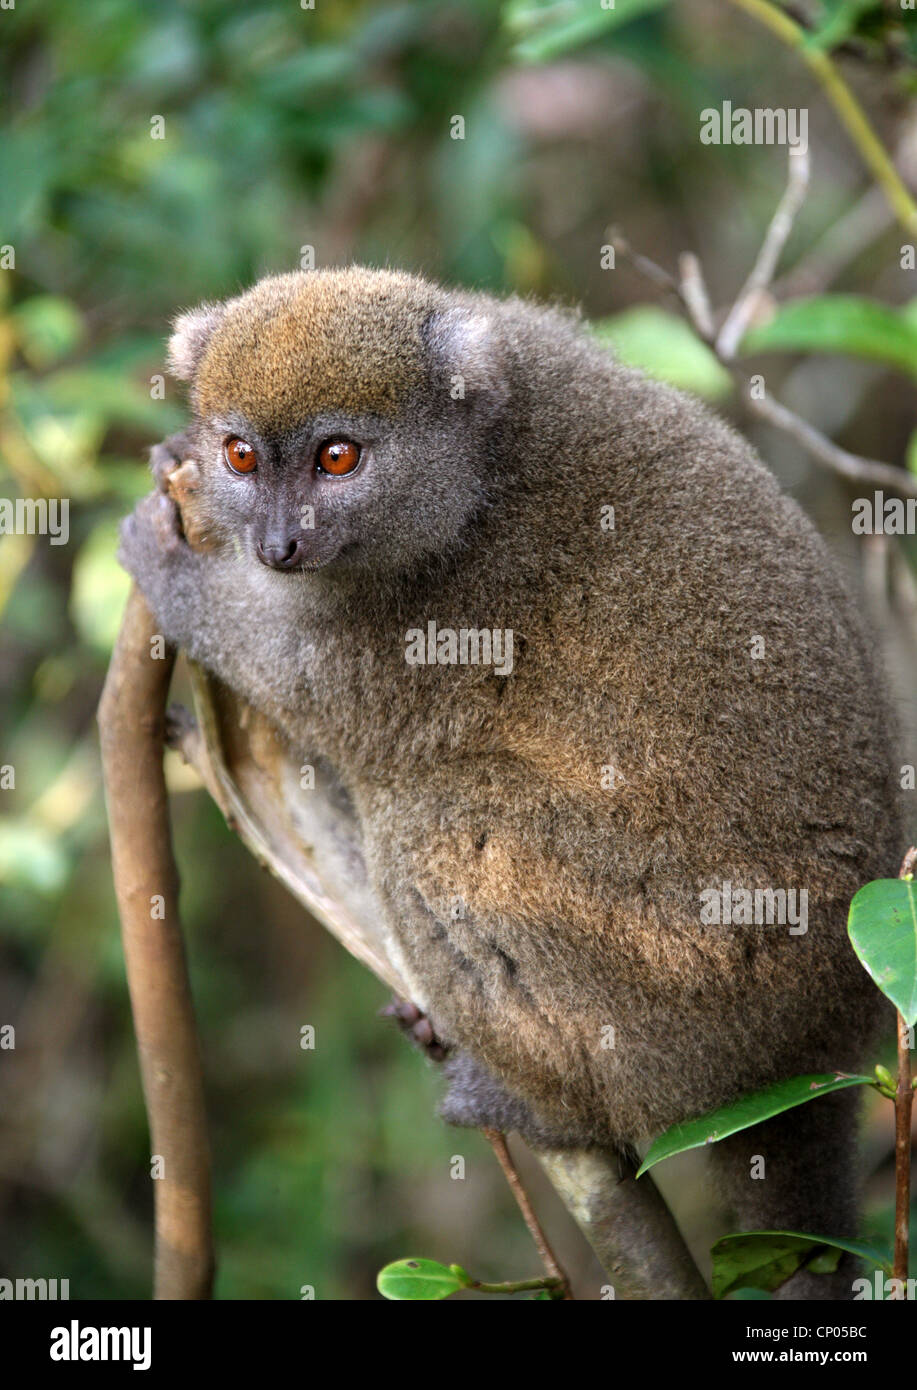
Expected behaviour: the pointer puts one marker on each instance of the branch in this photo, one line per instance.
(743, 310)
(131, 721)
(871, 472)
(628, 1225)
(497, 1142)
(846, 238)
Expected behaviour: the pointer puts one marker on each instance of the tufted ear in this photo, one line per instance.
(465, 355)
(191, 333)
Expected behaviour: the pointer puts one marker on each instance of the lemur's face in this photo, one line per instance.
(328, 425)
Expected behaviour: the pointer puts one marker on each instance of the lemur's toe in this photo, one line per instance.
(416, 1026)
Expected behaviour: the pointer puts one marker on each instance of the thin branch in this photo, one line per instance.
(497, 1142)
(647, 268)
(694, 295)
(131, 723)
(743, 310)
(870, 472)
(844, 240)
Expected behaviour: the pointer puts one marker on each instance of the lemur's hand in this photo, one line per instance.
(153, 549)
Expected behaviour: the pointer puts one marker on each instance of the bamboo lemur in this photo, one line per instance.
(691, 703)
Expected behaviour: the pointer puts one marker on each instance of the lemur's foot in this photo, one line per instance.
(416, 1026)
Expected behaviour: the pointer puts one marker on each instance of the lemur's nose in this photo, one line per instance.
(280, 554)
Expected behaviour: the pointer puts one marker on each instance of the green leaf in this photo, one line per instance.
(664, 347)
(745, 1112)
(882, 926)
(416, 1279)
(837, 323)
(839, 23)
(766, 1259)
(545, 28)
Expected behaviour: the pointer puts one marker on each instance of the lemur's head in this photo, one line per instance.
(342, 417)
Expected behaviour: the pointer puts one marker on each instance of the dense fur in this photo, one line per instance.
(531, 908)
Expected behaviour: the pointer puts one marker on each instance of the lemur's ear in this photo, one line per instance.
(190, 334)
(465, 355)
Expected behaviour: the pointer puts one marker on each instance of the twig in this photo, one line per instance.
(871, 150)
(853, 466)
(497, 1142)
(131, 720)
(904, 1105)
(693, 292)
(743, 310)
(647, 268)
(554, 1286)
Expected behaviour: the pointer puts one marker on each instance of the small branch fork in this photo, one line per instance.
(690, 288)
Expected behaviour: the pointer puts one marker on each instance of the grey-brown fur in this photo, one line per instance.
(530, 908)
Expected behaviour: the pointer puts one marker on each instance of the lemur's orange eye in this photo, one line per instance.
(338, 456)
(240, 456)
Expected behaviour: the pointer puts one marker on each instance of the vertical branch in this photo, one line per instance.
(762, 273)
(131, 726)
(904, 1105)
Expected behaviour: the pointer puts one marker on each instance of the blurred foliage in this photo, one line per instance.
(285, 128)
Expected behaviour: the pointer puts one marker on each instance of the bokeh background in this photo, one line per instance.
(332, 128)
